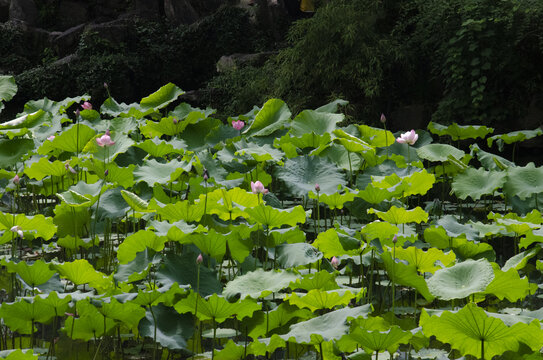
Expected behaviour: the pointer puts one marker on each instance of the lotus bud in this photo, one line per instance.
(76, 112)
(383, 119)
(106, 173)
(16, 179)
(17, 229)
(51, 138)
(317, 187)
(334, 262)
(175, 121)
(199, 259)
(395, 239)
(206, 175)
(105, 85)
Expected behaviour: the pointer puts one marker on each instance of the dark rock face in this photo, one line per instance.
(24, 10)
(72, 13)
(180, 12)
(4, 10)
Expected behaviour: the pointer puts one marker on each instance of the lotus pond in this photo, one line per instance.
(156, 231)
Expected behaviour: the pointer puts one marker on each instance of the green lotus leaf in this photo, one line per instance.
(375, 136)
(491, 161)
(81, 272)
(288, 143)
(293, 255)
(8, 88)
(230, 351)
(19, 316)
(149, 298)
(330, 326)
(261, 347)
(153, 172)
(137, 242)
(175, 231)
(12, 151)
(273, 116)
(455, 229)
(51, 106)
(230, 204)
(262, 323)
(216, 307)
(376, 195)
(18, 354)
(70, 220)
(135, 202)
(114, 109)
(458, 132)
(334, 201)
(313, 121)
(531, 237)
(181, 210)
(524, 181)
(470, 331)
(461, 280)
(89, 325)
(25, 123)
(396, 215)
(405, 275)
(426, 261)
(319, 299)
(109, 153)
(73, 198)
(211, 243)
(276, 218)
(379, 341)
(343, 159)
(258, 283)
(162, 97)
(127, 313)
(302, 173)
(199, 136)
(322, 280)
(508, 284)
(168, 126)
(467, 249)
(259, 153)
(515, 136)
(417, 183)
(44, 167)
(37, 225)
(74, 243)
(383, 231)
(182, 269)
(32, 274)
(516, 226)
(486, 230)
(68, 140)
(477, 182)
(160, 148)
(291, 235)
(330, 244)
(138, 268)
(520, 260)
(439, 152)
(352, 143)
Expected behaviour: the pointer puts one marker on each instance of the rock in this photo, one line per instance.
(24, 10)
(66, 42)
(234, 61)
(145, 9)
(180, 12)
(4, 10)
(71, 13)
(409, 117)
(116, 31)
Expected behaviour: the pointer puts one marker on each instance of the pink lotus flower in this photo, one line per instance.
(199, 259)
(18, 230)
(409, 137)
(86, 106)
(69, 168)
(16, 179)
(105, 140)
(258, 188)
(238, 125)
(51, 138)
(334, 262)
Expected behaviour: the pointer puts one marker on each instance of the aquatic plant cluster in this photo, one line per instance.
(156, 229)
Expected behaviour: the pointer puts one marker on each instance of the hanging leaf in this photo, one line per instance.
(32, 274)
(138, 242)
(396, 215)
(293, 255)
(439, 152)
(314, 121)
(216, 307)
(405, 275)
(508, 284)
(8, 88)
(319, 299)
(524, 181)
(477, 182)
(515, 136)
(458, 132)
(426, 261)
(276, 218)
(273, 116)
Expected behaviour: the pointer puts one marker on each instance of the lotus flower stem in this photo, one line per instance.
(214, 339)
(154, 335)
(320, 348)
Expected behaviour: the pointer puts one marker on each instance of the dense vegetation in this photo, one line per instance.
(154, 229)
